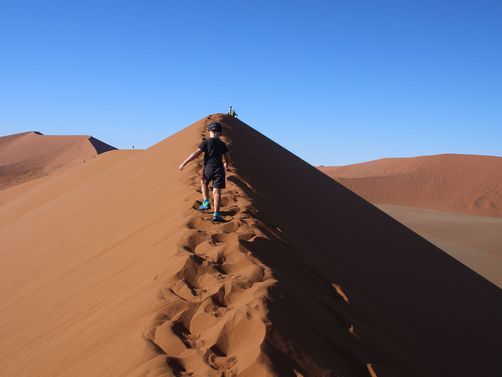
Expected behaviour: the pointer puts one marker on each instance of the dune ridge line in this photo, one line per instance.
(212, 320)
(31, 155)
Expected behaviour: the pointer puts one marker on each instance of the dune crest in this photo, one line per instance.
(320, 318)
(212, 320)
(30, 155)
(213, 317)
(468, 184)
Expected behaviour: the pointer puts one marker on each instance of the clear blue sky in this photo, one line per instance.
(335, 82)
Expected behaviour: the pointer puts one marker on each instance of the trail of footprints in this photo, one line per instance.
(211, 321)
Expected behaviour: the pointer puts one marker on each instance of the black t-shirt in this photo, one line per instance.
(213, 149)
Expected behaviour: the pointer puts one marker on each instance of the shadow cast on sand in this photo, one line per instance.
(357, 293)
(309, 279)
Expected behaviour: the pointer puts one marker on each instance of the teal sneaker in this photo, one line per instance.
(205, 205)
(217, 217)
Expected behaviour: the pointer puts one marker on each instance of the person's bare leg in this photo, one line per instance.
(204, 189)
(217, 199)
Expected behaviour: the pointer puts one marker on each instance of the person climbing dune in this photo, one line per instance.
(215, 150)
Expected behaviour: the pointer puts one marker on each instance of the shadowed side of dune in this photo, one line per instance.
(100, 146)
(357, 292)
(476, 241)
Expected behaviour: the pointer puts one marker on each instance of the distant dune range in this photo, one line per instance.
(454, 201)
(468, 184)
(109, 269)
(29, 155)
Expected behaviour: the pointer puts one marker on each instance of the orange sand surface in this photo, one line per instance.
(108, 269)
(449, 182)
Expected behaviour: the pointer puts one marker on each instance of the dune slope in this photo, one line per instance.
(345, 267)
(476, 241)
(31, 155)
(122, 276)
(449, 182)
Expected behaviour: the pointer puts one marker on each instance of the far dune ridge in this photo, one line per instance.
(461, 183)
(29, 155)
(122, 276)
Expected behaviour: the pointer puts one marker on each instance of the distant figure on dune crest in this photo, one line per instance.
(231, 112)
(214, 169)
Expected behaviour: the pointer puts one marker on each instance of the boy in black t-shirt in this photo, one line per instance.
(214, 168)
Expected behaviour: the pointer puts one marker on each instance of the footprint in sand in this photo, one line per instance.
(213, 293)
(219, 360)
(192, 238)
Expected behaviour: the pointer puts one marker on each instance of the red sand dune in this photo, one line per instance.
(30, 155)
(449, 182)
(109, 270)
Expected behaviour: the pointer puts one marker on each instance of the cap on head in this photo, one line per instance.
(215, 127)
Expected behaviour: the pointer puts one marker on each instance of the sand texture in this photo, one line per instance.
(108, 269)
(467, 184)
(29, 155)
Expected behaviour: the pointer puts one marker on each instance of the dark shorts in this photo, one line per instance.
(215, 173)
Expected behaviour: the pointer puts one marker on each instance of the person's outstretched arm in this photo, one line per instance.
(192, 157)
(228, 162)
